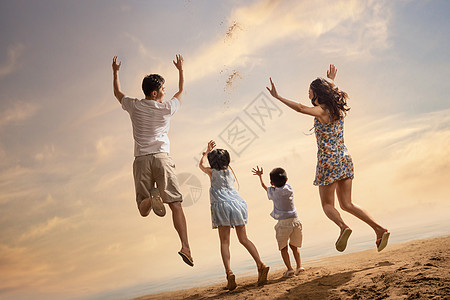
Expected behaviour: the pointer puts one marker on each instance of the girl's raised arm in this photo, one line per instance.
(203, 164)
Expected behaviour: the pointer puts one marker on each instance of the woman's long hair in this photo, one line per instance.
(328, 94)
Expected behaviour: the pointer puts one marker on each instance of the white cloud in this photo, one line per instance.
(47, 153)
(11, 63)
(38, 230)
(105, 146)
(357, 26)
(349, 28)
(92, 113)
(143, 50)
(366, 31)
(18, 112)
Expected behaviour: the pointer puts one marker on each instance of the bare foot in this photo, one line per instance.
(379, 232)
(186, 251)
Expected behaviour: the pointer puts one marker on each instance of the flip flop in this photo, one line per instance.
(288, 274)
(383, 241)
(147, 211)
(262, 276)
(341, 243)
(187, 259)
(157, 203)
(231, 282)
(299, 270)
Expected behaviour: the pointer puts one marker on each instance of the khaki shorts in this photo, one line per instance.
(159, 168)
(289, 231)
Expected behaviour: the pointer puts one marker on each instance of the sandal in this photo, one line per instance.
(262, 275)
(288, 274)
(187, 259)
(383, 240)
(157, 203)
(341, 243)
(299, 270)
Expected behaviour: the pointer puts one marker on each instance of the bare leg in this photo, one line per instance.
(344, 193)
(296, 253)
(326, 193)
(263, 269)
(224, 236)
(243, 239)
(285, 256)
(179, 222)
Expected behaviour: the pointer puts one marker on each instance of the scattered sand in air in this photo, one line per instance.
(231, 79)
(235, 75)
(229, 85)
(232, 30)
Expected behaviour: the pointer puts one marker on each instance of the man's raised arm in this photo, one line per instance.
(179, 65)
(116, 67)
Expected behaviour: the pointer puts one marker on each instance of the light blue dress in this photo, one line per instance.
(227, 207)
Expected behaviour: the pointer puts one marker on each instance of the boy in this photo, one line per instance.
(150, 118)
(289, 228)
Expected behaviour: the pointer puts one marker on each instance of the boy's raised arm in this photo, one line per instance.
(117, 92)
(179, 65)
(259, 172)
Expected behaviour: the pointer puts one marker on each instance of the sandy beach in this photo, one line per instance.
(414, 270)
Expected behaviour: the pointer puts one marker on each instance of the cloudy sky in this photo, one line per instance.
(69, 227)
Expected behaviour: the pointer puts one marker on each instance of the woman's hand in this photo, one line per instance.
(272, 90)
(331, 73)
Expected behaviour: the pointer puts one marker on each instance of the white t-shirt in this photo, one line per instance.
(151, 123)
(283, 202)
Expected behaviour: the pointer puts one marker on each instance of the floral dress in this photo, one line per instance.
(333, 161)
(227, 207)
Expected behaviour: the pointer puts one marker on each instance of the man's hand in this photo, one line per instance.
(116, 86)
(115, 66)
(272, 90)
(179, 65)
(331, 73)
(258, 172)
(179, 62)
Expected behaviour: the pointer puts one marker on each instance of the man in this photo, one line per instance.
(150, 118)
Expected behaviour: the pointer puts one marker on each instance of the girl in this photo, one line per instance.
(228, 210)
(334, 171)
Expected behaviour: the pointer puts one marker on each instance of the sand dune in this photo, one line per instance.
(413, 270)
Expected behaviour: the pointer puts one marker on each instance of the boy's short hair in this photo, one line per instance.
(152, 82)
(278, 177)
